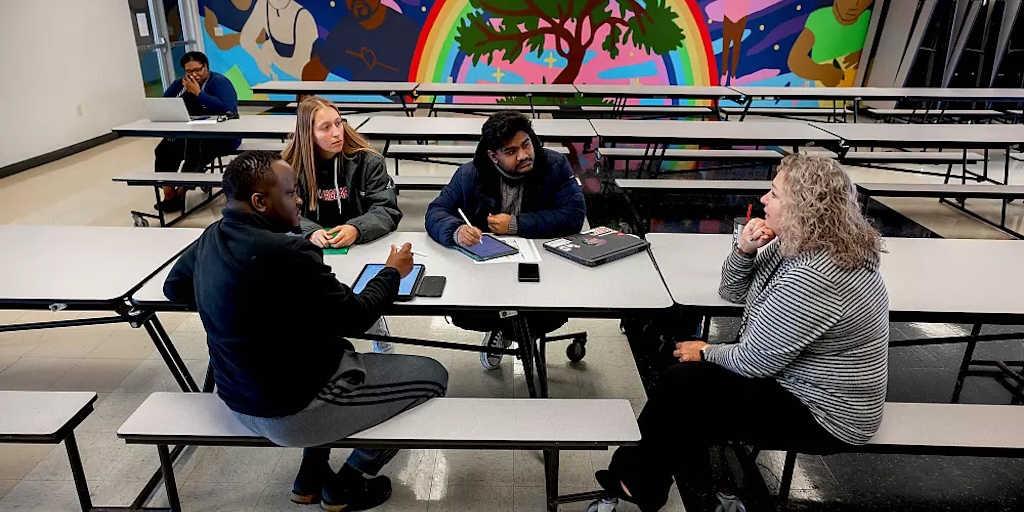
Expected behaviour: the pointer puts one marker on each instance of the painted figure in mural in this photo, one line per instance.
(734, 15)
(230, 14)
(373, 43)
(828, 50)
(734, 21)
(290, 31)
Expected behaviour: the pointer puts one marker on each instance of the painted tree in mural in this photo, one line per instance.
(573, 23)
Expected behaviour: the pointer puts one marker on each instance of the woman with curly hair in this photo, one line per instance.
(809, 370)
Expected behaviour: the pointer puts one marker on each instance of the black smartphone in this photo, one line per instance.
(431, 286)
(529, 273)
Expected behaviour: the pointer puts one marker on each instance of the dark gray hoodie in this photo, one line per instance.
(365, 178)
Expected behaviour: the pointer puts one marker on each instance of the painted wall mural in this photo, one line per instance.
(795, 43)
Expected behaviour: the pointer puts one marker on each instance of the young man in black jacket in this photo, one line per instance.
(276, 317)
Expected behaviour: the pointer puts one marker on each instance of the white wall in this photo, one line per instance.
(68, 73)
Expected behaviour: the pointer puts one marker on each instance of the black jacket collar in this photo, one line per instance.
(236, 216)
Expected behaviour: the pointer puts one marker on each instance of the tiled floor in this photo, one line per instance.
(120, 364)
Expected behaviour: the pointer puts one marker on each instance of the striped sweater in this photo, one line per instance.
(821, 331)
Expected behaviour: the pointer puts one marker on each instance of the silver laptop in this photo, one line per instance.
(170, 110)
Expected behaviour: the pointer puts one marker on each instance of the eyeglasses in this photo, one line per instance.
(194, 71)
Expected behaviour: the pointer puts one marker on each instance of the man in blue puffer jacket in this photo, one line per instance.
(513, 186)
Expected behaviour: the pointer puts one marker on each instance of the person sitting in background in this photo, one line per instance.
(810, 369)
(205, 93)
(276, 317)
(513, 186)
(343, 183)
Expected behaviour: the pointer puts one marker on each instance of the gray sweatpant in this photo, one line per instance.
(393, 383)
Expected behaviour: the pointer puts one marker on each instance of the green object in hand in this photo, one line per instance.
(340, 250)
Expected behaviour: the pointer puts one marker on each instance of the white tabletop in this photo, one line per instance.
(466, 128)
(152, 292)
(697, 186)
(882, 93)
(924, 276)
(84, 265)
(825, 93)
(171, 178)
(631, 283)
(40, 413)
(964, 93)
(947, 135)
(492, 89)
(657, 91)
(682, 132)
(256, 126)
(990, 190)
(332, 87)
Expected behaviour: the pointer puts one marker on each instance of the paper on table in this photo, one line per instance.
(203, 121)
(527, 252)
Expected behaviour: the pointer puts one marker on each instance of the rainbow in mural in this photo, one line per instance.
(786, 43)
(439, 57)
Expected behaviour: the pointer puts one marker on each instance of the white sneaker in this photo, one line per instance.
(729, 503)
(493, 339)
(381, 329)
(603, 505)
(383, 347)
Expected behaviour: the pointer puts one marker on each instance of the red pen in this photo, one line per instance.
(750, 209)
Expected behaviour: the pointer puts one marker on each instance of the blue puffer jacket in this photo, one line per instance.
(553, 204)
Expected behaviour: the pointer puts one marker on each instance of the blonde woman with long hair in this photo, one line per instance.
(348, 196)
(810, 368)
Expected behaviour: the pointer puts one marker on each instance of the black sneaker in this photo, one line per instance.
(355, 494)
(171, 205)
(309, 483)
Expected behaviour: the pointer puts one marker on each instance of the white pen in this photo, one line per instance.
(417, 253)
(466, 219)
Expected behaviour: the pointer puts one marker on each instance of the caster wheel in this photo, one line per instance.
(140, 221)
(576, 351)
(207, 190)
